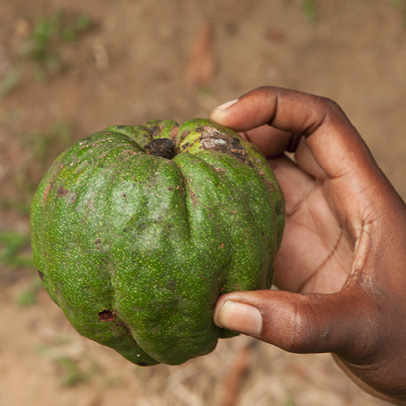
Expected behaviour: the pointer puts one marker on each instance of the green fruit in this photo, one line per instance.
(137, 230)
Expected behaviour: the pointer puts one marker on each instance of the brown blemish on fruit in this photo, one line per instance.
(41, 275)
(174, 133)
(106, 315)
(184, 134)
(70, 197)
(62, 191)
(213, 140)
(98, 243)
(51, 183)
(48, 188)
(186, 145)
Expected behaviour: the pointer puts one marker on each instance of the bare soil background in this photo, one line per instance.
(99, 63)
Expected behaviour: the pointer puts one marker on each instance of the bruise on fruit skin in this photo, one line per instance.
(186, 146)
(184, 134)
(66, 194)
(98, 244)
(48, 188)
(155, 130)
(213, 140)
(174, 133)
(62, 191)
(51, 183)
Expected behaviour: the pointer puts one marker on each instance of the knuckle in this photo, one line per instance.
(306, 333)
(300, 334)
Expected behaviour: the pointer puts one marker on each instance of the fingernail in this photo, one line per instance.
(219, 112)
(225, 106)
(240, 317)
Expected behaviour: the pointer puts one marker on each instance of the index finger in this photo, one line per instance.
(328, 131)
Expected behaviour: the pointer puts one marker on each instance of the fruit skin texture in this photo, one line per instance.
(136, 248)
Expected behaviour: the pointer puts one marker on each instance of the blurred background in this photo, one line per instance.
(68, 69)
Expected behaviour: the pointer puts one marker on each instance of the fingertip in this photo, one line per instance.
(220, 113)
(253, 110)
(238, 317)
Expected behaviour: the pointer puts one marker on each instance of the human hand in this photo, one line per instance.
(341, 268)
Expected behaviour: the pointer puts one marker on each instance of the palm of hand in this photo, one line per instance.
(321, 261)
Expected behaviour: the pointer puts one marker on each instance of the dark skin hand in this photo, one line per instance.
(341, 268)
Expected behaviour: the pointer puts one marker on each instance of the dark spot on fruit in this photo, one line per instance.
(143, 364)
(212, 139)
(62, 191)
(41, 275)
(173, 133)
(171, 284)
(123, 195)
(221, 170)
(186, 145)
(106, 315)
(154, 130)
(184, 134)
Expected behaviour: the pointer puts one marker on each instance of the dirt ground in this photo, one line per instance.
(99, 63)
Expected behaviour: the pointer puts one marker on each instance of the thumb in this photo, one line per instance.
(300, 323)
